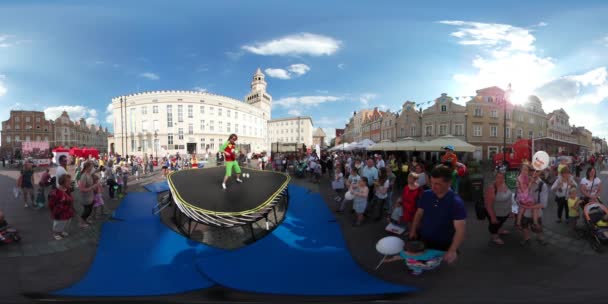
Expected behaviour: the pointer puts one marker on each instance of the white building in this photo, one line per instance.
(286, 130)
(166, 122)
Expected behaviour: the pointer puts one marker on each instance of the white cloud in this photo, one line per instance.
(365, 98)
(573, 90)
(110, 115)
(341, 66)
(4, 41)
(295, 45)
(506, 55)
(150, 76)
(298, 69)
(294, 112)
(3, 88)
(75, 113)
(294, 70)
(277, 73)
(304, 101)
(200, 89)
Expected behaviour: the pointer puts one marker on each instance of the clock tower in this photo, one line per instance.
(258, 96)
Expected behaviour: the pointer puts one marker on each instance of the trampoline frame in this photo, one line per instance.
(280, 198)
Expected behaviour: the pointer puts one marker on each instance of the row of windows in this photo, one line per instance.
(286, 139)
(27, 127)
(17, 138)
(519, 133)
(286, 123)
(27, 119)
(285, 131)
(443, 130)
(190, 112)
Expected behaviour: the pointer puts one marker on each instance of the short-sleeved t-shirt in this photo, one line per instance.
(437, 224)
(592, 186)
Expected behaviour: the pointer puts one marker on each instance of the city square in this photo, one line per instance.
(283, 165)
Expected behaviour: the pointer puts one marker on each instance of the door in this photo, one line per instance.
(191, 147)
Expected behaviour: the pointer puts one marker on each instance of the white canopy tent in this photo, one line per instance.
(384, 145)
(408, 144)
(340, 147)
(440, 143)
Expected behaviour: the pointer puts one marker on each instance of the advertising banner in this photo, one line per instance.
(37, 151)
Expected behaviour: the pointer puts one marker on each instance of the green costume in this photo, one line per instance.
(230, 152)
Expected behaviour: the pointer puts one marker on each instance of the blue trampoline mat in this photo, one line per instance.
(303, 256)
(136, 260)
(137, 206)
(308, 205)
(157, 187)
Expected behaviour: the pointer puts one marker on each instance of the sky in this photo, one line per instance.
(324, 59)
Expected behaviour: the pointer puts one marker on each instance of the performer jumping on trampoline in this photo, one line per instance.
(230, 152)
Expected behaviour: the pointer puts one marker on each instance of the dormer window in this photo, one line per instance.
(444, 108)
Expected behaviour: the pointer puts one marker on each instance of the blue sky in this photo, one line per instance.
(322, 58)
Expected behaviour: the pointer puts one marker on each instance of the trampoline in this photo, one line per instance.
(200, 198)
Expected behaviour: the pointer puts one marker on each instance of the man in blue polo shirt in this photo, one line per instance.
(440, 218)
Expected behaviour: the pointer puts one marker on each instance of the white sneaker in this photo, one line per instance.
(224, 186)
(239, 180)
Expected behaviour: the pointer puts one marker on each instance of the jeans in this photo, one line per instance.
(111, 183)
(87, 211)
(377, 207)
(562, 205)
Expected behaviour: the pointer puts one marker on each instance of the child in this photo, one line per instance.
(523, 196)
(418, 258)
(119, 182)
(97, 199)
(338, 185)
(40, 199)
(360, 193)
(317, 172)
(351, 182)
(136, 171)
(409, 198)
(573, 205)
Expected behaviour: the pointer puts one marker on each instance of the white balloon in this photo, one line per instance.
(349, 196)
(540, 160)
(390, 245)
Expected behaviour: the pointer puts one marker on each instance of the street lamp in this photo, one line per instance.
(155, 144)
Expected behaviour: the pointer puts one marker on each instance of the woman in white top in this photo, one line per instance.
(591, 186)
(380, 194)
(561, 187)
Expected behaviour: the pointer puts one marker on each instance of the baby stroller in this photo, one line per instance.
(8, 234)
(596, 226)
(301, 169)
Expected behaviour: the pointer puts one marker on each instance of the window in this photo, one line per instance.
(180, 133)
(202, 125)
(508, 115)
(531, 134)
(144, 125)
(520, 133)
(211, 125)
(532, 120)
(17, 119)
(37, 119)
(155, 125)
(17, 127)
(444, 108)
(236, 127)
(170, 138)
(27, 138)
(478, 112)
(8, 139)
(402, 131)
(27, 119)
(413, 131)
(493, 131)
(17, 139)
(169, 116)
(190, 128)
(219, 111)
(477, 130)
(133, 124)
(202, 109)
(443, 129)
(428, 130)
(211, 110)
(508, 132)
(228, 113)
(220, 127)
(144, 110)
(236, 114)
(494, 114)
(458, 130)
(180, 113)
(132, 144)
(491, 151)
(190, 111)
(155, 109)
(38, 138)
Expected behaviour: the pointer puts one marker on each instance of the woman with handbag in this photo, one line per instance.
(591, 187)
(498, 202)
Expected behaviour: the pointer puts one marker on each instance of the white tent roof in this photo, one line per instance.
(440, 143)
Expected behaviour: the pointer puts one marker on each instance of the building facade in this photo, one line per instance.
(559, 134)
(291, 130)
(408, 121)
(318, 138)
(167, 122)
(444, 117)
(388, 126)
(584, 138)
(353, 131)
(33, 126)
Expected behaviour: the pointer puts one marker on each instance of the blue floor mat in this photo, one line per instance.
(136, 260)
(157, 187)
(137, 206)
(308, 205)
(303, 256)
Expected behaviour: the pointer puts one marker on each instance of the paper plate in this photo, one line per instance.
(540, 160)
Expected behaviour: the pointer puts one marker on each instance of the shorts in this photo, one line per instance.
(526, 223)
(230, 165)
(164, 167)
(359, 206)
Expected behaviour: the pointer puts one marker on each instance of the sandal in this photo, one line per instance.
(498, 241)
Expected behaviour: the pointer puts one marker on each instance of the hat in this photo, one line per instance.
(449, 147)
